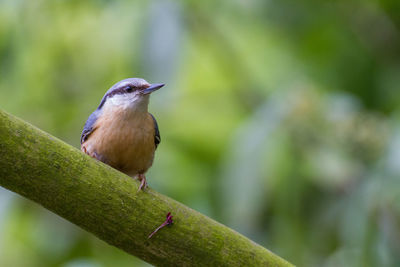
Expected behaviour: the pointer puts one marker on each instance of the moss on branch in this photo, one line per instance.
(105, 202)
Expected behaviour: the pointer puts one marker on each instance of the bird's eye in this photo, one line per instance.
(129, 89)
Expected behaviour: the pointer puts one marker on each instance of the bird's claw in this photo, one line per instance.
(143, 182)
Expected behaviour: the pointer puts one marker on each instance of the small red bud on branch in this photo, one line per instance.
(168, 221)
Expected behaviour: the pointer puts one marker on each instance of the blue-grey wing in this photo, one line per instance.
(157, 136)
(89, 126)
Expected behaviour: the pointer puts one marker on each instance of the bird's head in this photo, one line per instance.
(129, 93)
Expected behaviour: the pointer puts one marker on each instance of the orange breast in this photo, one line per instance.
(124, 140)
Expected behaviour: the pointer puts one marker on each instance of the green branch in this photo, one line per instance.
(105, 202)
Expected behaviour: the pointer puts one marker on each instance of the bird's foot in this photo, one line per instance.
(143, 182)
(95, 155)
(91, 154)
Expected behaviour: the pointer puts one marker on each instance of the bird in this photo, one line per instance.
(121, 132)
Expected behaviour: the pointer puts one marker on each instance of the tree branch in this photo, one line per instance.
(106, 203)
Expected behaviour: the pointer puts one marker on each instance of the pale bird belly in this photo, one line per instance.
(129, 149)
(138, 152)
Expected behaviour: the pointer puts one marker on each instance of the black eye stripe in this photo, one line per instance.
(121, 90)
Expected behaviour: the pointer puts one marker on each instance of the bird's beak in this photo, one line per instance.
(153, 87)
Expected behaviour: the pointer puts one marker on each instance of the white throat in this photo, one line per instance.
(129, 102)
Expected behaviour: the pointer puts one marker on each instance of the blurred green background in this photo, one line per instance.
(280, 119)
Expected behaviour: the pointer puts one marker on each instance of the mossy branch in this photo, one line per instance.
(106, 203)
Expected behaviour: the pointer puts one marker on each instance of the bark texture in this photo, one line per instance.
(106, 203)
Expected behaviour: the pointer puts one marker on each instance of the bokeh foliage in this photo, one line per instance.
(279, 118)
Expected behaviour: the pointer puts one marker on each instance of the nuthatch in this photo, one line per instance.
(121, 132)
